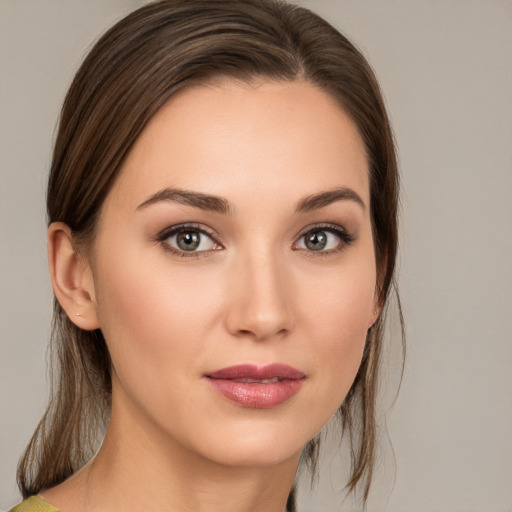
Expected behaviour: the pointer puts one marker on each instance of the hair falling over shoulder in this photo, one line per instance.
(126, 78)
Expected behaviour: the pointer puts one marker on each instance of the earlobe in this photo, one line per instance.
(378, 298)
(375, 315)
(71, 278)
(377, 310)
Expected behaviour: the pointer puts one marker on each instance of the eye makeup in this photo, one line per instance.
(191, 235)
(194, 240)
(316, 236)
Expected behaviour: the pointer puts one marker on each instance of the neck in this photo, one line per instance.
(177, 481)
(139, 466)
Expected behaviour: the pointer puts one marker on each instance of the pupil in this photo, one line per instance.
(316, 241)
(188, 240)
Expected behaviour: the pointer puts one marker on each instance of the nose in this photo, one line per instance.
(260, 304)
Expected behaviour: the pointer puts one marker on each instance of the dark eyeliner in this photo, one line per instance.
(346, 238)
(163, 235)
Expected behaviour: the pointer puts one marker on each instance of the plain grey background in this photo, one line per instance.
(446, 72)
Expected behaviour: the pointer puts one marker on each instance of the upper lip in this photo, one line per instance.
(249, 371)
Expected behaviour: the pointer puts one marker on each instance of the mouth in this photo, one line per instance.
(258, 387)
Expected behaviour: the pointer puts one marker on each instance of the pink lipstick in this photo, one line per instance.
(258, 387)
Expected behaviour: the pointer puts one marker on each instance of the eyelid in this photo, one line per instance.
(169, 231)
(346, 238)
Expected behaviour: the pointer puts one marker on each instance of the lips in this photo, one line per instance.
(260, 387)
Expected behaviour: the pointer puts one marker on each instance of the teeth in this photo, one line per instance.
(259, 381)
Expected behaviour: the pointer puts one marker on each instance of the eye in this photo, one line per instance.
(188, 240)
(324, 239)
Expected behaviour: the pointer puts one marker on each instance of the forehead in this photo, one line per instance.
(230, 138)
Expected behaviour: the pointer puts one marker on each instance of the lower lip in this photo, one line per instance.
(257, 395)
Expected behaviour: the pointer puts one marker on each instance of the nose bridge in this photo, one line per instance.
(261, 300)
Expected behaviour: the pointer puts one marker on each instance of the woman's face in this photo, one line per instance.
(234, 270)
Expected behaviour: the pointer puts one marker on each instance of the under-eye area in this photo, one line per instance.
(187, 240)
(194, 240)
(325, 240)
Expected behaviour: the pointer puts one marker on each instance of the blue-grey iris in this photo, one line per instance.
(188, 240)
(316, 241)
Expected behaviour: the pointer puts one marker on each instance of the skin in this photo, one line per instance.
(256, 294)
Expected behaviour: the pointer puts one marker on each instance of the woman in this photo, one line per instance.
(222, 238)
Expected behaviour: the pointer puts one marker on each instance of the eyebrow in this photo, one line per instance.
(220, 205)
(196, 199)
(317, 201)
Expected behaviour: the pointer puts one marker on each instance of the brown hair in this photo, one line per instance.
(126, 78)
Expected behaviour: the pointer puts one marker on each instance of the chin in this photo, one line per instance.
(258, 444)
(257, 456)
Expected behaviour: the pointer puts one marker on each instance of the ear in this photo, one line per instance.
(378, 300)
(72, 278)
(377, 310)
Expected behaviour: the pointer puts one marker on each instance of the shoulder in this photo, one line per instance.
(34, 504)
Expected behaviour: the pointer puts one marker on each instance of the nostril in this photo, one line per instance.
(260, 334)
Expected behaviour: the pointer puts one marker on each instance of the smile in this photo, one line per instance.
(257, 387)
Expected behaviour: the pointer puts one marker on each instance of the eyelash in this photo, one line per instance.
(173, 230)
(345, 237)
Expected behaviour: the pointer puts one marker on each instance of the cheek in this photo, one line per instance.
(339, 316)
(154, 320)
(163, 324)
(341, 301)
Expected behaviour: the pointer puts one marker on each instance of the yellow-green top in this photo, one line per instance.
(34, 504)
